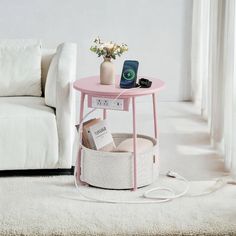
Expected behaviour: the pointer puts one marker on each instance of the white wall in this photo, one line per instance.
(156, 31)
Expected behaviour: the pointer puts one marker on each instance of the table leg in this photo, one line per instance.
(154, 101)
(104, 114)
(82, 97)
(134, 145)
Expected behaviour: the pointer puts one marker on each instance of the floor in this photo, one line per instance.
(51, 205)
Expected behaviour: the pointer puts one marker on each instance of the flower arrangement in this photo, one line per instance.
(108, 49)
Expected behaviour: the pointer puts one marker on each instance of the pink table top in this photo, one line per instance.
(91, 85)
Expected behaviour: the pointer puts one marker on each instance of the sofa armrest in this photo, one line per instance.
(65, 101)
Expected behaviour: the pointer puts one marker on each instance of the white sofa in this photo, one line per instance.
(34, 135)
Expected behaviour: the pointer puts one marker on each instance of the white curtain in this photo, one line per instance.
(213, 72)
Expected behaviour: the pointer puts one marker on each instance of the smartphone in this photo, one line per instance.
(129, 74)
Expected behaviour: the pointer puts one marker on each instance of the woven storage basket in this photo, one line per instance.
(114, 170)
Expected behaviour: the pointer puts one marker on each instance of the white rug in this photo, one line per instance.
(49, 206)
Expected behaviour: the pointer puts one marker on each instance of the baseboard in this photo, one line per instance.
(36, 172)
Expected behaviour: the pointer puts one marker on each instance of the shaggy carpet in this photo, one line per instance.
(52, 206)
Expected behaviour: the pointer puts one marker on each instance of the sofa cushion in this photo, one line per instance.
(28, 137)
(20, 68)
(47, 55)
(50, 87)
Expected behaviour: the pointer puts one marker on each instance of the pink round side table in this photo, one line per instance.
(91, 87)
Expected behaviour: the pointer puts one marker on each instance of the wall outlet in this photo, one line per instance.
(107, 103)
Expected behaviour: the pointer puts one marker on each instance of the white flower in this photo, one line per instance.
(108, 45)
(108, 49)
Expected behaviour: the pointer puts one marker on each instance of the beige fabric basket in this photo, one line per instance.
(114, 170)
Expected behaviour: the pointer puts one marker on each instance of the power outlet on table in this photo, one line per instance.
(107, 103)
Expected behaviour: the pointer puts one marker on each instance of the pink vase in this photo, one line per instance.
(107, 72)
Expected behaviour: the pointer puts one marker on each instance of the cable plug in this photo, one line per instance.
(231, 182)
(173, 174)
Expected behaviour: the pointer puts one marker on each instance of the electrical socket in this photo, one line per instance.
(107, 103)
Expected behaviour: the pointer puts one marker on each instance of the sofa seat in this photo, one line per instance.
(28, 134)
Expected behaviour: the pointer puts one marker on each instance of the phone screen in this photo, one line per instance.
(129, 74)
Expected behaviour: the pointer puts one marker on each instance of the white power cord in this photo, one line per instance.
(149, 196)
(219, 183)
(173, 195)
(146, 197)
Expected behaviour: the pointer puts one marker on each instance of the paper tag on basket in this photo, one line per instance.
(101, 136)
